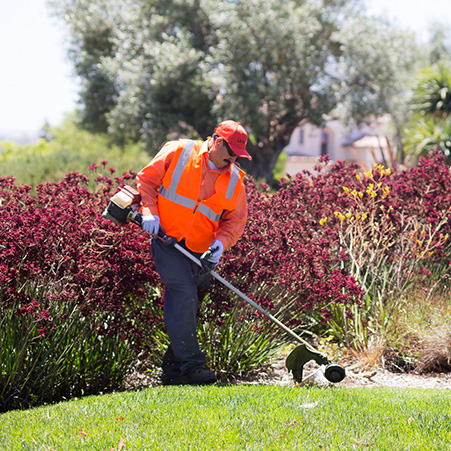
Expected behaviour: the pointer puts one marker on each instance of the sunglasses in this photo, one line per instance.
(229, 150)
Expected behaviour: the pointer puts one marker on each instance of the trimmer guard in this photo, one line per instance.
(300, 356)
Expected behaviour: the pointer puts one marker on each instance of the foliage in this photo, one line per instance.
(308, 255)
(54, 352)
(396, 231)
(160, 69)
(439, 42)
(428, 134)
(65, 149)
(374, 73)
(72, 291)
(242, 417)
(238, 345)
(388, 249)
(430, 128)
(432, 91)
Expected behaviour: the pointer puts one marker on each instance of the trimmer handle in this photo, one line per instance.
(205, 259)
(137, 218)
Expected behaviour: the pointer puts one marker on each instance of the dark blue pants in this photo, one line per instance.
(181, 304)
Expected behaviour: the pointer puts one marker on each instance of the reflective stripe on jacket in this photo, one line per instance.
(181, 213)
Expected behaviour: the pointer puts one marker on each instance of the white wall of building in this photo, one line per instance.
(309, 142)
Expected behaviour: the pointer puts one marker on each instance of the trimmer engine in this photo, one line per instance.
(124, 207)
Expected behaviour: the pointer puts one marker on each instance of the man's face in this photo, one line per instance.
(220, 155)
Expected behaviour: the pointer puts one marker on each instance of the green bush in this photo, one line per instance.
(239, 344)
(39, 364)
(68, 149)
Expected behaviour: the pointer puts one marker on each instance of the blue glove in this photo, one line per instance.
(151, 224)
(211, 257)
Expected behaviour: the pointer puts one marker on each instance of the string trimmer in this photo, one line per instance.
(124, 207)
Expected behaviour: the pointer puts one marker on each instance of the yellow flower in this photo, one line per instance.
(420, 243)
(354, 192)
(358, 177)
(346, 189)
(323, 221)
(364, 216)
(387, 171)
(360, 194)
(348, 215)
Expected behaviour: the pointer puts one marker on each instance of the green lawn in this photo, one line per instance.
(237, 418)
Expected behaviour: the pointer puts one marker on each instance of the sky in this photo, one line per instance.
(37, 83)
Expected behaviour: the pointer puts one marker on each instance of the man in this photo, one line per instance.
(194, 191)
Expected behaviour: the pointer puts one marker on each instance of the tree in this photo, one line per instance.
(177, 67)
(91, 30)
(439, 42)
(374, 71)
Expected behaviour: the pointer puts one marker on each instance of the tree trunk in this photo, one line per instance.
(265, 155)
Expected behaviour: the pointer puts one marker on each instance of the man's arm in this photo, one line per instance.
(232, 223)
(150, 178)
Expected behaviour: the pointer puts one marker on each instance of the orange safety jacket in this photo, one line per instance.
(182, 215)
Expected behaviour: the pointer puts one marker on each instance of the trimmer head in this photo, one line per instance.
(334, 373)
(302, 354)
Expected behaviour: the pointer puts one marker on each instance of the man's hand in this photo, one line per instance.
(151, 224)
(211, 257)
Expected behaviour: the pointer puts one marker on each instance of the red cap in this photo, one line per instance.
(235, 135)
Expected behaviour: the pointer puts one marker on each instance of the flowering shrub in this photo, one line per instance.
(57, 251)
(332, 242)
(395, 229)
(341, 240)
(283, 259)
(60, 241)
